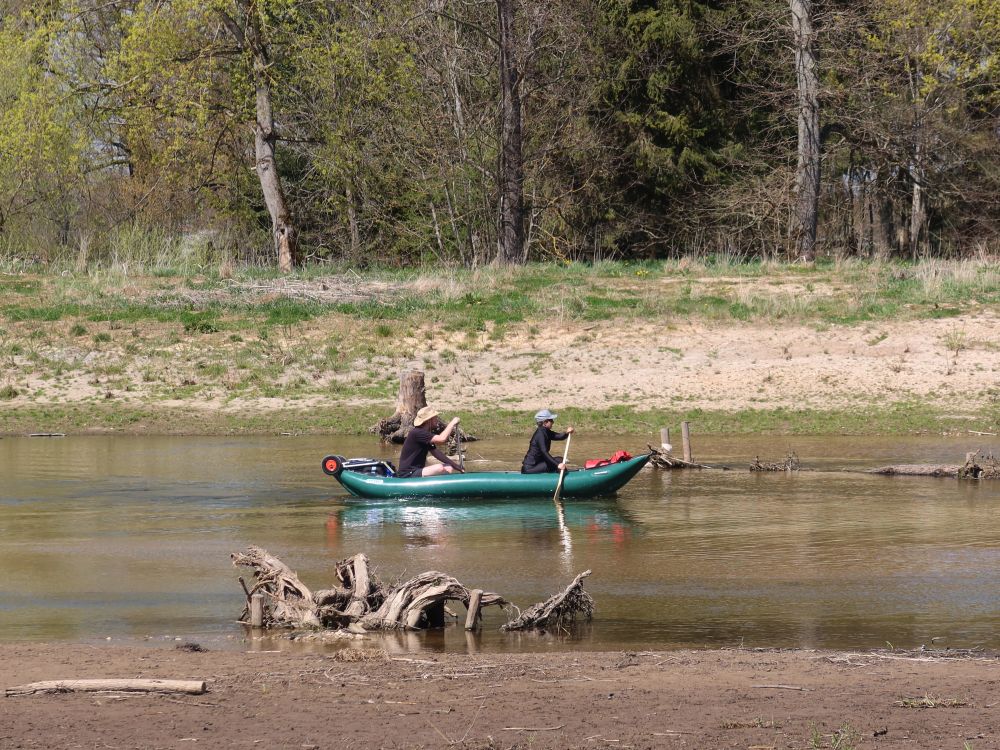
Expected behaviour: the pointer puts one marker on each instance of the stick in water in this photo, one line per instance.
(562, 472)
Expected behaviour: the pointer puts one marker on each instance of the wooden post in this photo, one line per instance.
(665, 438)
(686, 440)
(257, 611)
(472, 616)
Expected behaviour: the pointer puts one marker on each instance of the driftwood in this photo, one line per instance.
(288, 602)
(191, 687)
(791, 463)
(980, 466)
(977, 466)
(662, 459)
(558, 610)
(363, 604)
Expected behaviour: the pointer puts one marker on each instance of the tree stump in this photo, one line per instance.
(411, 399)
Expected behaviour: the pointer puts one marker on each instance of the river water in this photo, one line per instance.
(128, 539)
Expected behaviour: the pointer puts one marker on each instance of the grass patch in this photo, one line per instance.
(354, 419)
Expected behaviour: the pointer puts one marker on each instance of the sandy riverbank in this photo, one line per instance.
(136, 360)
(362, 698)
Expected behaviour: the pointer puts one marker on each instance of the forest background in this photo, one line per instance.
(399, 132)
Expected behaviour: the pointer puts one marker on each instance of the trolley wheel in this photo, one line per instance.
(333, 465)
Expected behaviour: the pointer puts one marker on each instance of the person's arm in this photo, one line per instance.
(445, 434)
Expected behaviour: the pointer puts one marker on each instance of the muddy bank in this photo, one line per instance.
(363, 697)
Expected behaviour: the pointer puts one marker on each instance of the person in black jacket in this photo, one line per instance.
(538, 460)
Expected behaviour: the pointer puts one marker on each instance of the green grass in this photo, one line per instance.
(352, 419)
(843, 293)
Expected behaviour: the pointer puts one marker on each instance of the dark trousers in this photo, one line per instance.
(542, 468)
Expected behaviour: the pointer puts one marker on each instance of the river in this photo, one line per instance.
(128, 539)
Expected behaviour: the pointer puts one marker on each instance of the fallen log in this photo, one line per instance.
(190, 687)
(916, 470)
(558, 610)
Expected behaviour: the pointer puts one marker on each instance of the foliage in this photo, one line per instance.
(651, 128)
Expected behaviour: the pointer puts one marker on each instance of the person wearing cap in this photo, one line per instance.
(424, 438)
(538, 460)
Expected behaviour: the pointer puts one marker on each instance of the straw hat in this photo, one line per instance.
(423, 415)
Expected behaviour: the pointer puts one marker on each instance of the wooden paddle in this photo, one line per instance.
(458, 447)
(562, 472)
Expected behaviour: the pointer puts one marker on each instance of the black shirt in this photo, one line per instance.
(538, 450)
(413, 455)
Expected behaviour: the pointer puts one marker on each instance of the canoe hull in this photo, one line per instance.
(493, 484)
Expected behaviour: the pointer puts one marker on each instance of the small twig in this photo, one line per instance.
(443, 735)
(783, 687)
(532, 729)
(414, 661)
(474, 719)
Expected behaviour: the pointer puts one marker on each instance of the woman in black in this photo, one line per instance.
(538, 459)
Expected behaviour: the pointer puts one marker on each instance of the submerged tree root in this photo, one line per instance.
(556, 611)
(362, 602)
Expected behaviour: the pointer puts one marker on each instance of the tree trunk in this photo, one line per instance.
(250, 39)
(807, 181)
(918, 206)
(411, 399)
(512, 248)
(352, 220)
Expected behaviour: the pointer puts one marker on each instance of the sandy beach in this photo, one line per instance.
(360, 697)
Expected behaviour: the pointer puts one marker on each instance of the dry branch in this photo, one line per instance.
(558, 610)
(191, 687)
(665, 460)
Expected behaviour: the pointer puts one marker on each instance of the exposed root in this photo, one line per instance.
(558, 610)
(363, 604)
(980, 466)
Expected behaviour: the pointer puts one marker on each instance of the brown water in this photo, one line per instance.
(128, 538)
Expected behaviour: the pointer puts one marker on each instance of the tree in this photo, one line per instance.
(807, 177)
(512, 250)
(918, 106)
(200, 88)
(248, 22)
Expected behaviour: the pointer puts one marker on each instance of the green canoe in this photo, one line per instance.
(603, 480)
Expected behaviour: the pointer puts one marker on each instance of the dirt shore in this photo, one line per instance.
(360, 697)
